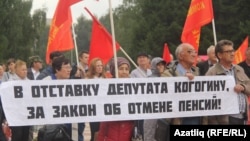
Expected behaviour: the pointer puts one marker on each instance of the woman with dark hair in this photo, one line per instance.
(61, 69)
(11, 70)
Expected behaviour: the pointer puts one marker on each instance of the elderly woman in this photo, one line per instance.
(20, 133)
(117, 130)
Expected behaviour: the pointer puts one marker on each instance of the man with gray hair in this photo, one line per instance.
(184, 66)
(212, 59)
(224, 51)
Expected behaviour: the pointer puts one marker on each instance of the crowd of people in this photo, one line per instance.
(220, 62)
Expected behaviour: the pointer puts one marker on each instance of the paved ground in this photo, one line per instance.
(86, 132)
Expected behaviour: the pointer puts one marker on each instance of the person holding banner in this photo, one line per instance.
(61, 69)
(224, 51)
(20, 133)
(96, 71)
(184, 66)
(158, 66)
(117, 130)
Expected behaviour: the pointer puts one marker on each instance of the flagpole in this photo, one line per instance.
(128, 57)
(75, 44)
(131, 61)
(113, 38)
(113, 42)
(214, 32)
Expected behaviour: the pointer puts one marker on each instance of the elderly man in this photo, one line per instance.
(34, 67)
(212, 59)
(142, 70)
(225, 53)
(184, 66)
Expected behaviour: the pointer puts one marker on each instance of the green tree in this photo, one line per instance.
(231, 20)
(145, 25)
(151, 24)
(160, 21)
(82, 29)
(39, 28)
(17, 29)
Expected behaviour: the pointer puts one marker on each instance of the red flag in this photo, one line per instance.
(166, 54)
(199, 14)
(60, 36)
(239, 57)
(101, 42)
(240, 53)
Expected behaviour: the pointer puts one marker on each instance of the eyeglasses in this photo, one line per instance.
(228, 51)
(192, 52)
(67, 67)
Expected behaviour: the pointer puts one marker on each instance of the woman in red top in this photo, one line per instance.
(117, 130)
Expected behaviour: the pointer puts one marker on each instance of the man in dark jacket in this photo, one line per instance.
(225, 53)
(48, 71)
(212, 59)
(246, 63)
(35, 67)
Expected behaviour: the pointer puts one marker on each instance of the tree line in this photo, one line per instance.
(140, 25)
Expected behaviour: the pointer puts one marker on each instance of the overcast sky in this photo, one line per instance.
(96, 7)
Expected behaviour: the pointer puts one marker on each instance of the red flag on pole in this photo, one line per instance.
(200, 13)
(60, 35)
(101, 42)
(240, 52)
(166, 54)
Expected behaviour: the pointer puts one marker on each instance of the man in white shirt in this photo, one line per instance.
(142, 70)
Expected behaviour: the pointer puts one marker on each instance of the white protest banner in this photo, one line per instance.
(88, 100)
